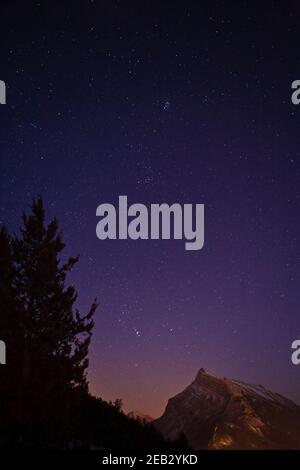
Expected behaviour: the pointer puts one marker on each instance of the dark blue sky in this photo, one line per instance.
(164, 103)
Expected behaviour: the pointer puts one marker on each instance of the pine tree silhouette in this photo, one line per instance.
(46, 336)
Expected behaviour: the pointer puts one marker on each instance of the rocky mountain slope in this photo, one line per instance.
(218, 413)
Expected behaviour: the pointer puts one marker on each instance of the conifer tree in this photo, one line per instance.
(50, 338)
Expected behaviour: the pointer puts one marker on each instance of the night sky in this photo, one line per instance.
(164, 102)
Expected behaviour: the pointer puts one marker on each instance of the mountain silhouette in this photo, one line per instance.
(140, 416)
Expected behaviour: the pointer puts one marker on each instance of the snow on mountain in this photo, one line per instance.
(218, 413)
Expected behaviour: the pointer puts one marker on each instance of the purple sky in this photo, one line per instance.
(173, 103)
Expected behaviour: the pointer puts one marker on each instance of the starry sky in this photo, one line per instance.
(170, 101)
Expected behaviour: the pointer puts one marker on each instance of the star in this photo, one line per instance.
(166, 105)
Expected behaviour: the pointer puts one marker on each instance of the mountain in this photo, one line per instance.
(218, 413)
(140, 416)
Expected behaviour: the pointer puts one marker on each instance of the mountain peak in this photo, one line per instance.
(206, 373)
(220, 413)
